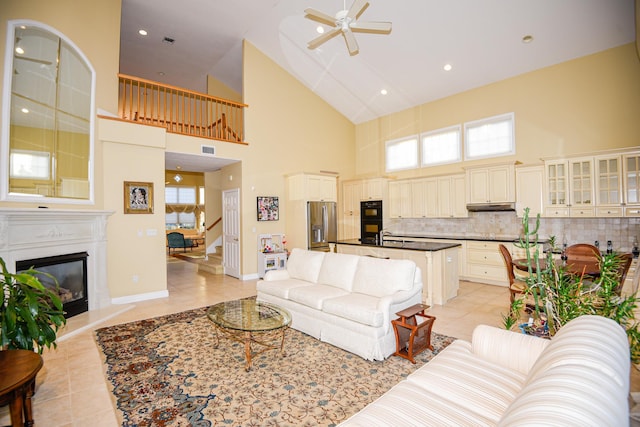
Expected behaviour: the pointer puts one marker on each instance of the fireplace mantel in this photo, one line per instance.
(28, 233)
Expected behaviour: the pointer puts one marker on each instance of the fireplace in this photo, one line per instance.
(70, 271)
(28, 234)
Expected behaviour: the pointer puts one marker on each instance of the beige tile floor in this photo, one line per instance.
(71, 388)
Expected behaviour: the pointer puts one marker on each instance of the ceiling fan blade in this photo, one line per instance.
(352, 44)
(357, 8)
(371, 27)
(321, 17)
(323, 38)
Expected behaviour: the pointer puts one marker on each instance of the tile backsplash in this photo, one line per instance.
(621, 231)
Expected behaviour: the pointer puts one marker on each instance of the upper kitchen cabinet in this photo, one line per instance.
(631, 182)
(351, 197)
(494, 184)
(569, 188)
(374, 189)
(400, 203)
(451, 200)
(529, 190)
(608, 186)
(424, 198)
(310, 187)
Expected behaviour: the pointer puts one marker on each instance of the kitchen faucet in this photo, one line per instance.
(381, 240)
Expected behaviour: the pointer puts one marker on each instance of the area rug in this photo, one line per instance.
(165, 371)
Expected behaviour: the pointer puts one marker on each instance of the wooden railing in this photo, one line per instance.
(180, 110)
(214, 224)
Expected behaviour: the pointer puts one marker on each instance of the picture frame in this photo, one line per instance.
(268, 208)
(138, 197)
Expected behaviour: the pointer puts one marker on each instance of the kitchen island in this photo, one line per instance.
(437, 260)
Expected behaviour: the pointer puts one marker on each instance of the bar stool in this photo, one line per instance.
(18, 370)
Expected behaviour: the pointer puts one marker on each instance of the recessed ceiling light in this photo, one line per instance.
(25, 110)
(447, 67)
(527, 39)
(19, 50)
(383, 92)
(142, 32)
(320, 29)
(161, 73)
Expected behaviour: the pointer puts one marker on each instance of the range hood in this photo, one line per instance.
(491, 207)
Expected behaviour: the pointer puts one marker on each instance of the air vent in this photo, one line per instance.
(169, 40)
(208, 149)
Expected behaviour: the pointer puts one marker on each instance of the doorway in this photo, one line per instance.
(231, 232)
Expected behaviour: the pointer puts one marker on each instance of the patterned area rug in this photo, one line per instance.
(165, 371)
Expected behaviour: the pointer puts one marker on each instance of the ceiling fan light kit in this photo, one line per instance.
(346, 23)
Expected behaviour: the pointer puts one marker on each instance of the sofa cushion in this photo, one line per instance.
(588, 341)
(569, 395)
(338, 270)
(314, 296)
(280, 288)
(460, 377)
(382, 277)
(305, 265)
(357, 307)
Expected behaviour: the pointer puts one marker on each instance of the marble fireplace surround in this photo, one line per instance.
(27, 233)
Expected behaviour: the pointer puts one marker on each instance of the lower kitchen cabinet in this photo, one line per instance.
(485, 263)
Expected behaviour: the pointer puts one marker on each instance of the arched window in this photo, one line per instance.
(48, 119)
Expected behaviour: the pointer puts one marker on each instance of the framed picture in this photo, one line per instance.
(268, 209)
(138, 197)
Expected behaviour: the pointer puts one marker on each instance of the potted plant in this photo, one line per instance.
(555, 297)
(30, 313)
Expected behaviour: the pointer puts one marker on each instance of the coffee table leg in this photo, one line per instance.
(282, 342)
(215, 334)
(16, 409)
(247, 350)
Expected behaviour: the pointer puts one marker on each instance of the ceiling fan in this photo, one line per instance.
(346, 22)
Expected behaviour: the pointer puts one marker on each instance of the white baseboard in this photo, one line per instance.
(140, 297)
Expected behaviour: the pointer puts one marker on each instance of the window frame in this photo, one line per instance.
(508, 117)
(399, 141)
(441, 131)
(5, 143)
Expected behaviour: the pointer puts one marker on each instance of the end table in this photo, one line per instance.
(412, 337)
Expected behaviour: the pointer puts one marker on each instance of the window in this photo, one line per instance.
(441, 146)
(175, 220)
(401, 154)
(47, 108)
(201, 195)
(180, 195)
(29, 164)
(491, 137)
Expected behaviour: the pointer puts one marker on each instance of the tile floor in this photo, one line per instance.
(71, 388)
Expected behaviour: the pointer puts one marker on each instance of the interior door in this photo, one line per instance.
(231, 232)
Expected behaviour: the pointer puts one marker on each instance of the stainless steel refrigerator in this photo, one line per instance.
(323, 225)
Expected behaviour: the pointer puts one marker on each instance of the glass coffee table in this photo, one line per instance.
(250, 322)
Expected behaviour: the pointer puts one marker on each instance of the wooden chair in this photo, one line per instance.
(516, 286)
(176, 240)
(583, 252)
(623, 269)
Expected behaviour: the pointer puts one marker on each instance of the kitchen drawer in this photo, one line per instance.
(632, 211)
(482, 245)
(609, 212)
(583, 212)
(556, 212)
(475, 256)
(487, 272)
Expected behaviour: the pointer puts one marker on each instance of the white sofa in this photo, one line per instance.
(503, 378)
(345, 300)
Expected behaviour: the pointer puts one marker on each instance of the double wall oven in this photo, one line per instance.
(370, 221)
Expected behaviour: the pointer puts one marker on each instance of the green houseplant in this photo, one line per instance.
(30, 313)
(553, 297)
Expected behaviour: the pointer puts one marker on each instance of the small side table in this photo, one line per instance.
(412, 337)
(18, 370)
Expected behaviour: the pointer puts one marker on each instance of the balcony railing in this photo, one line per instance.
(179, 110)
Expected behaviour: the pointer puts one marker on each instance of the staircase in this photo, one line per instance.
(212, 263)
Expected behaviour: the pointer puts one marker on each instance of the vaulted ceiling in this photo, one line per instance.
(482, 40)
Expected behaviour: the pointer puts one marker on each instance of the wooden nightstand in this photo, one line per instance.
(412, 337)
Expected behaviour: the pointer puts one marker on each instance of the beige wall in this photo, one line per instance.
(587, 104)
(289, 130)
(216, 88)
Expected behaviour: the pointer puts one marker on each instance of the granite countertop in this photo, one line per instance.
(476, 237)
(399, 244)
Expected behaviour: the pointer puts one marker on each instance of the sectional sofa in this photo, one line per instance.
(501, 378)
(345, 300)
